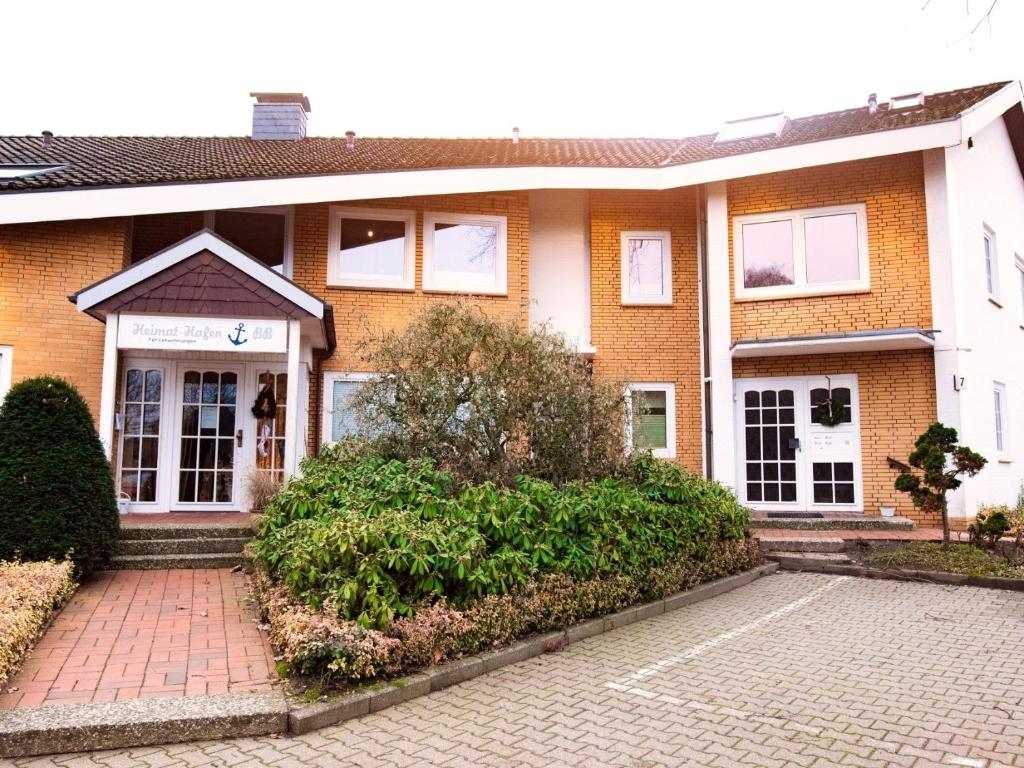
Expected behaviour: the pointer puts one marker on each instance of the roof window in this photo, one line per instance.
(10, 171)
(752, 127)
(907, 100)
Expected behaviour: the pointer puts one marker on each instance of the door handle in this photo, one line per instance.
(794, 443)
(239, 437)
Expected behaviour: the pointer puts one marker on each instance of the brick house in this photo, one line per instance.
(871, 259)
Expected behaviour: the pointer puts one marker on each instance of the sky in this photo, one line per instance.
(447, 68)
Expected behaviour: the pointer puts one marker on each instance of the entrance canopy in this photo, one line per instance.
(204, 277)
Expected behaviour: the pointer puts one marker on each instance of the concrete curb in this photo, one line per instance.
(834, 524)
(51, 729)
(309, 717)
(933, 577)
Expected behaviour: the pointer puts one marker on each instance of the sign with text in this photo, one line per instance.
(207, 334)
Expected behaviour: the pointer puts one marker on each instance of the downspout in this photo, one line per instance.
(705, 351)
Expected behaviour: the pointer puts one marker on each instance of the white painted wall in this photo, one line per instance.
(985, 187)
(560, 263)
(723, 449)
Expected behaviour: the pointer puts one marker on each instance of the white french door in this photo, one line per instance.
(787, 460)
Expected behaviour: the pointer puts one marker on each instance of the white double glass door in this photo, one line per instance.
(787, 459)
(188, 436)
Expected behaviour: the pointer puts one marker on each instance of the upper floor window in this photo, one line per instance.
(991, 263)
(651, 418)
(465, 253)
(263, 233)
(371, 248)
(800, 253)
(1019, 263)
(6, 353)
(646, 268)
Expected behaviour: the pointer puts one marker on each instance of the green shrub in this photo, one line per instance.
(371, 538)
(56, 487)
(342, 651)
(989, 526)
(489, 400)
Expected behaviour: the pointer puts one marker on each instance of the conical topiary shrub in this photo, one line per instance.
(56, 487)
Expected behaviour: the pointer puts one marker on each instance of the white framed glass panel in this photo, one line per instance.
(650, 418)
(1020, 285)
(768, 254)
(999, 414)
(465, 254)
(140, 433)
(991, 263)
(831, 245)
(801, 253)
(646, 267)
(6, 360)
(370, 248)
(339, 420)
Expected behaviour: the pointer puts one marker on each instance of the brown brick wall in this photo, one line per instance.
(892, 188)
(649, 343)
(40, 265)
(897, 398)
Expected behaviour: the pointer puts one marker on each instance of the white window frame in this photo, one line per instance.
(669, 452)
(800, 285)
(287, 211)
(336, 278)
(665, 297)
(476, 284)
(6, 369)
(999, 418)
(327, 396)
(1018, 263)
(991, 262)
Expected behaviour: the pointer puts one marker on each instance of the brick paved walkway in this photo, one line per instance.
(143, 634)
(794, 670)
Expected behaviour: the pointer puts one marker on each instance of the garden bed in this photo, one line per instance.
(958, 558)
(29, 595)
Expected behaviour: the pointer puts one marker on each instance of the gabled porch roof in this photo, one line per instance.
(205, 275)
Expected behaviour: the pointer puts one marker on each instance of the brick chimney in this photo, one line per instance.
(279, 116)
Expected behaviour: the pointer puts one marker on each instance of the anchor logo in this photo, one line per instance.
(238, 340)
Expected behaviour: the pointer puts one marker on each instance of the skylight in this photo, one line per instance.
(752, 128)
(10, 171)
(907, 100)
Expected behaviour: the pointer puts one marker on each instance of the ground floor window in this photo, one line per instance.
(339, 418)
(141, 410)
(999, 414)
(651, 418)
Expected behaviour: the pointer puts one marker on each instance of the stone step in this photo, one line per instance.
(185, 531)
(852, 523)
(187, 562)
(180, 546)
(801, 544)
(796, 561)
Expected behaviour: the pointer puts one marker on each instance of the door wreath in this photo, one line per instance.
(265, 406)
(829, 413)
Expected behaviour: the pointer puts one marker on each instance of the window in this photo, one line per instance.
(833, 482)
(999, 409)
(465, 254)
(840, 400)
(339, 420)
(991, 263)
(651, 418)
(818, 250)
(6, 355)
(646, 268)
(140, 433)
(1020, 284)
(372, 248)
(265, 234)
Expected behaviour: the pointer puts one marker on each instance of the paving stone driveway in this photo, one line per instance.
(792, 670)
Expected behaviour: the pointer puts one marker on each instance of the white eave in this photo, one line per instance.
(134, 200)
(836, 343)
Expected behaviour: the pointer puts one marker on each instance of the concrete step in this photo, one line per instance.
(185, 531)
(845, 523)
(180, 546)
(187, 562)
(801, 544)
(796, 561)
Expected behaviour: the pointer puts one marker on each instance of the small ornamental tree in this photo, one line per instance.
(56, 488)
(941, 462)
(487, 399)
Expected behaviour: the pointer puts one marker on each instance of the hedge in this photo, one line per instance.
(29, 594)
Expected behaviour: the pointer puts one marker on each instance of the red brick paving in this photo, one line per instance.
(918, 534)
(146, 634)
(187, 518)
